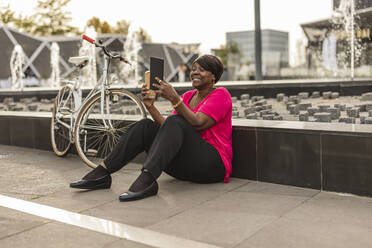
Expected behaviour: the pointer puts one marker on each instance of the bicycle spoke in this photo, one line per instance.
(97, 139)
(125, 128)
(64, 136)
(92, 133)
(116, 137)
(111, 141)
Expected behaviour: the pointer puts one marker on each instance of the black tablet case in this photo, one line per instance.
(156, 70)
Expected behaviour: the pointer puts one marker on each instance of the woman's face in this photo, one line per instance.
(200, 77)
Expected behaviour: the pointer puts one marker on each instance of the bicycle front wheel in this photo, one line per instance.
(60, 123)
(96, 133)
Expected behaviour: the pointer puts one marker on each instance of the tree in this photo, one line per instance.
(25, 23)
(6, 15)
(99, 26)
(224, 50)
(122, 27)
(106, 28)
(143, 35)
(52, 19)
(221, 52)
(103, 27)
(22, 23)
(95, 23)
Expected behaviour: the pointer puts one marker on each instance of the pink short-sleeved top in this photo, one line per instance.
(218, 106)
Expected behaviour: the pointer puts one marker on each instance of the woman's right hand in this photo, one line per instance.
(147, 99)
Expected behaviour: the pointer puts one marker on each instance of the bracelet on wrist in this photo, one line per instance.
(177, 104)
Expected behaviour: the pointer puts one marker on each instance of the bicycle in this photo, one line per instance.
(96, 123)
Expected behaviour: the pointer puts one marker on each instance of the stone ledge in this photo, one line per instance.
(334, 157)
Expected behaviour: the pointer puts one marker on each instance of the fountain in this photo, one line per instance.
(54, 80)
(329, 48)
(130, 74)
(89, 72)
(343, 19)
(17, 60)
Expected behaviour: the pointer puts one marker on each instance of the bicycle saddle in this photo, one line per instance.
(77, 61)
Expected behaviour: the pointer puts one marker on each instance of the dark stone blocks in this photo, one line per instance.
(347, 163)
(31, 132)
(21, 131)
(244, 153)
(277, 156)
(332, 161)
(42, 134)
(4, 130)
(289, 157)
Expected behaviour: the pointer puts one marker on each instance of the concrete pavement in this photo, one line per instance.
(239, 214)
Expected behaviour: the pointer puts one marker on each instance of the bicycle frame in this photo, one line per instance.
(76, 95)
(93, 123)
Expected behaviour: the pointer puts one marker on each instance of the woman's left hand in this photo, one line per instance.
(166, 91)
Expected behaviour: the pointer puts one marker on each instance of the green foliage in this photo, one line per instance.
(103, 27)
(233, 48)
(6, 15)
(25, 23)
(22, 23)
(94, 22)
(224, 50)
(52, 19)
(143, 35)
(106, 28)
(121, 27)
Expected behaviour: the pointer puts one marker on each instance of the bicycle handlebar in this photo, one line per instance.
(113, 56)
(90, 40)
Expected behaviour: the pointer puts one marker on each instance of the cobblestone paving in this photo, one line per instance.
(305, 106)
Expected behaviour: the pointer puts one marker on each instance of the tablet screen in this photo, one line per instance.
(156, 70)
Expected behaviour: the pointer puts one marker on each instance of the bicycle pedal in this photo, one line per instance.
(115, 98)
(91, 152)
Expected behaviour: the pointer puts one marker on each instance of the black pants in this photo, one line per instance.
(174, 147)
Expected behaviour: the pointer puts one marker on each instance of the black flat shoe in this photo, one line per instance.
(132, 196)
(100, 183)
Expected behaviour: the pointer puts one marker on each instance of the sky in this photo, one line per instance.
(195, 21)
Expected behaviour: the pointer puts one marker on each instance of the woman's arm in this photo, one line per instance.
(148, 100)
(154, 112)
(199, 120)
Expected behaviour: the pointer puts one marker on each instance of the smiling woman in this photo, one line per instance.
(193, 144)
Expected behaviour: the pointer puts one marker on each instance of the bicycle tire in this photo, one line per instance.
(92, 142)
(59, 134)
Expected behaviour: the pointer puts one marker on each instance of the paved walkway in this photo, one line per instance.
(38, 209)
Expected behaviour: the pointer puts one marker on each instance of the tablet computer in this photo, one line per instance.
(156, 70)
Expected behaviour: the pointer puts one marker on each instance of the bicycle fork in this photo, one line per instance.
(105, 98)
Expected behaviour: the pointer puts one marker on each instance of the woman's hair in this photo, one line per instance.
(211, 63)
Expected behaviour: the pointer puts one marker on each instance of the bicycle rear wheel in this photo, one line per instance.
(60, 122)
(93, 140)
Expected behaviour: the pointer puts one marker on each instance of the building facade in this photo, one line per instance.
(275, 51)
